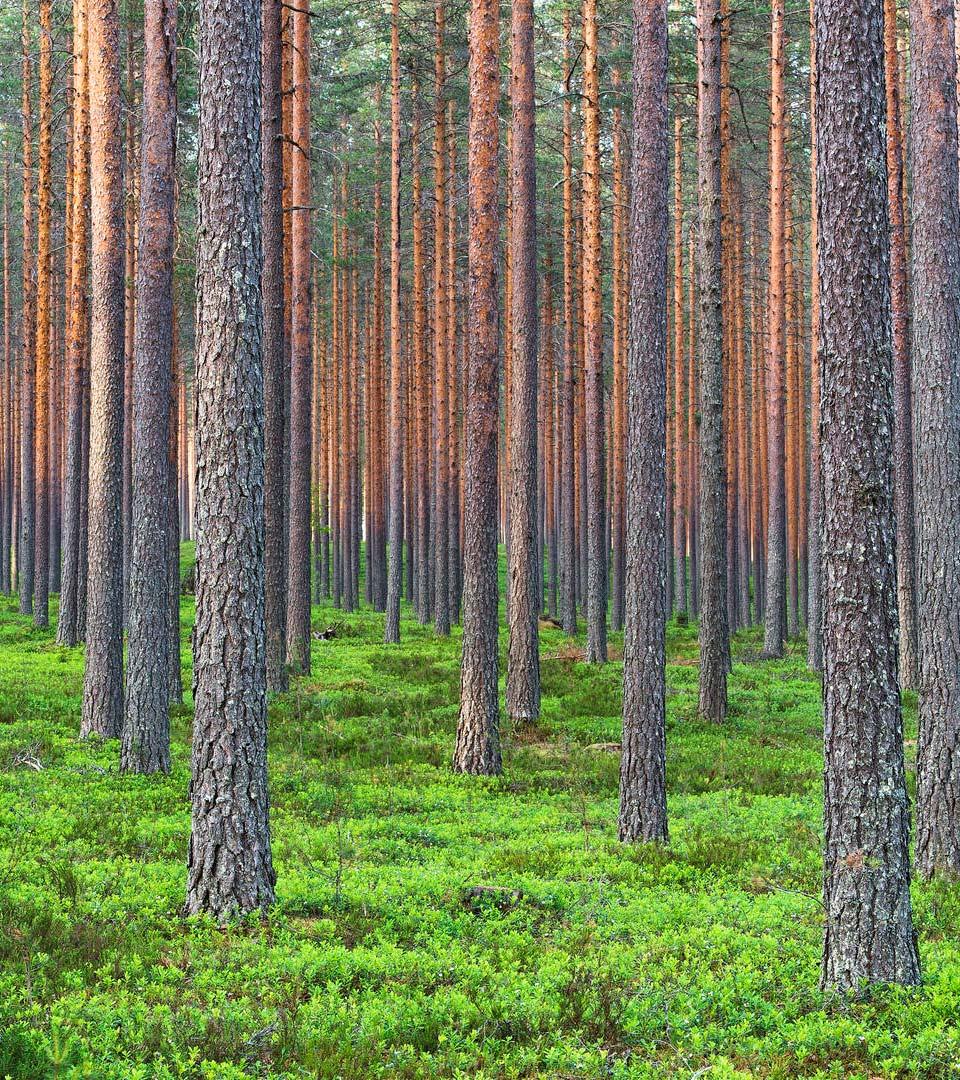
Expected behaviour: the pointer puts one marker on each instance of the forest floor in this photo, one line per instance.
(698, 959)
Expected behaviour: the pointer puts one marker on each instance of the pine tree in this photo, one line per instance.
(869, 932)
(230, 868)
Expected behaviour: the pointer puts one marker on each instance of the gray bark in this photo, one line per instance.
(478, 728)
(146, 732)
(936, 431)
(103, 674)
(230, 868)
(869, 934)
(643, 801)
(523, 661)
(274, 325)
(714, 634)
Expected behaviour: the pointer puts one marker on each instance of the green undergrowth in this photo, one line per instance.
(696, 959)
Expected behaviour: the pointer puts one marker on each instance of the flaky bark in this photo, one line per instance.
(593, 344)
(869, 933)
(26, 551)
(422, 369)
(902, 396)
(76, 345)
(680, 454)
(146, 731)
(8, 424)
(274, 329)
(617, 470)
(478, 728)
(523, 663)
(398, 410)
(714, 634)
(103, 674)
(643, 801)
(301, 358)
(568, 524)
(441, 351)
(230, 869)
(775, 605)
(936, 431)
(814, 580)
(44, 359)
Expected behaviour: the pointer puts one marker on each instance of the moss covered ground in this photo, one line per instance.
(698, 959)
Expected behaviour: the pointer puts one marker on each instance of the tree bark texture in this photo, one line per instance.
(936, 433)
(230, 868)
(523, 662)
(643, 801)
(714, 633)
(869, 934)
(478, 728)
(146, 732)
(103, 674)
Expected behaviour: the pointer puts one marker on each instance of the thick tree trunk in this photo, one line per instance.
(936, 432)
(230, 869)
(146, 731)
(869, 933)
(523, 662)
(714, 633)
(643, 800)
(478, 729)
(103, 675)
(274, 329)
(301, 359)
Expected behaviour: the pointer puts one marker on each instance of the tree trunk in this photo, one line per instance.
(775, 605)
(25, 555)
(478, 728)
(936, 432)
(301, 359)
(398, 412)
(146, 731)
(523, 663)
(7, 504)
(421, 362)
(593, 342)
(617, 471)
(274, 329)
(680, 455)
(129, 104)
(814, 579)
(41, 580)
(230, 869)
(103, 675)
(77, 314)
(643, 800)
(869, 934)
(714, 634)
(441, 353)
(568, 560)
